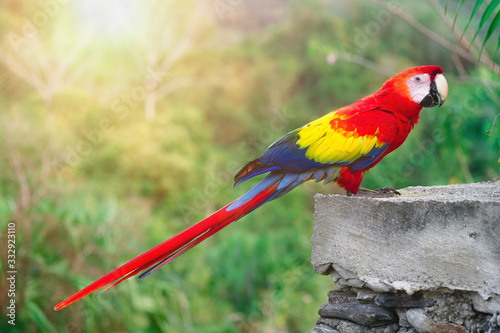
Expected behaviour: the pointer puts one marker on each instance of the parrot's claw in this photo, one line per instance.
(385, 192)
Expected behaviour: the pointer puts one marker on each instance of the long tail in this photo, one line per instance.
(272, 187)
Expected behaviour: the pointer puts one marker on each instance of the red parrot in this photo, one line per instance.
(340, 147)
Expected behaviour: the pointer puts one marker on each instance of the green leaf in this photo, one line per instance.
(39, 319)
(498, 47)
(474, 10)
(493, 26)
(456, 15)
(487, 12)
(446, 7)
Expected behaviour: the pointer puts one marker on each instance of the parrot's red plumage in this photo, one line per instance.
(339, 147)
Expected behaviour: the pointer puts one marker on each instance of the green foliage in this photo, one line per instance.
(491, 7)
(91, 183)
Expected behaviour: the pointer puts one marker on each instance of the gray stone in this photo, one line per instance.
(356, 283)
(378, 286)
(338, 280)
(403, 322)
(344, 326)
(322, 328)
(419, 320)
(345, 277)
(424, 324)
(407, 330)
(403, 300)
(490, 327)
(490, 305)
(344, 273)
(430, 238)
(452, 307)
(366, 296)
(369, 315)
(338, 296)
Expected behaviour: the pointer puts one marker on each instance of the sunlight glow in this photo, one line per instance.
(110, 17)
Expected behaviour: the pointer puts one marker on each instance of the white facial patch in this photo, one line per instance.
(419, 86)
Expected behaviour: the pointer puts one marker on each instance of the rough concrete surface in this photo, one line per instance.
(429, 238)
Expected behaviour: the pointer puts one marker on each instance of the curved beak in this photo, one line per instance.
(437, 94)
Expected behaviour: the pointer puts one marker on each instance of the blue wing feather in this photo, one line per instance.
(369, 157)
(285, 154)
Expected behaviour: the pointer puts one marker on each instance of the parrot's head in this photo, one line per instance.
(427, 85)
(417, 87)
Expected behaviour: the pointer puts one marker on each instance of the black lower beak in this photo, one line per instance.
(433, 98)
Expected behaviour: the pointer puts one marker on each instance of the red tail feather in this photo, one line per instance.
(173, 247)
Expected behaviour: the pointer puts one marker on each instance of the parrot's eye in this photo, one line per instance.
(419, 86)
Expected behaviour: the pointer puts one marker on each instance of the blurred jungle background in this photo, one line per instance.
(124, 122)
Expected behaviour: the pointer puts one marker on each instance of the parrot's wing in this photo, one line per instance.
(348, 136)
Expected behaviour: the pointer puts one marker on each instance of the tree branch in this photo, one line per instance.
(435, 37)
(462, 40)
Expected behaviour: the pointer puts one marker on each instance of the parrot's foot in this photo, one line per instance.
(385, 192)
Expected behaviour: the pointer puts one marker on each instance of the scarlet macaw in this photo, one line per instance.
(340, 146)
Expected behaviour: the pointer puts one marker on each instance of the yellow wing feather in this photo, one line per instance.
(333, 145)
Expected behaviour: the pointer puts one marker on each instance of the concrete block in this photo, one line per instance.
(430, 238)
